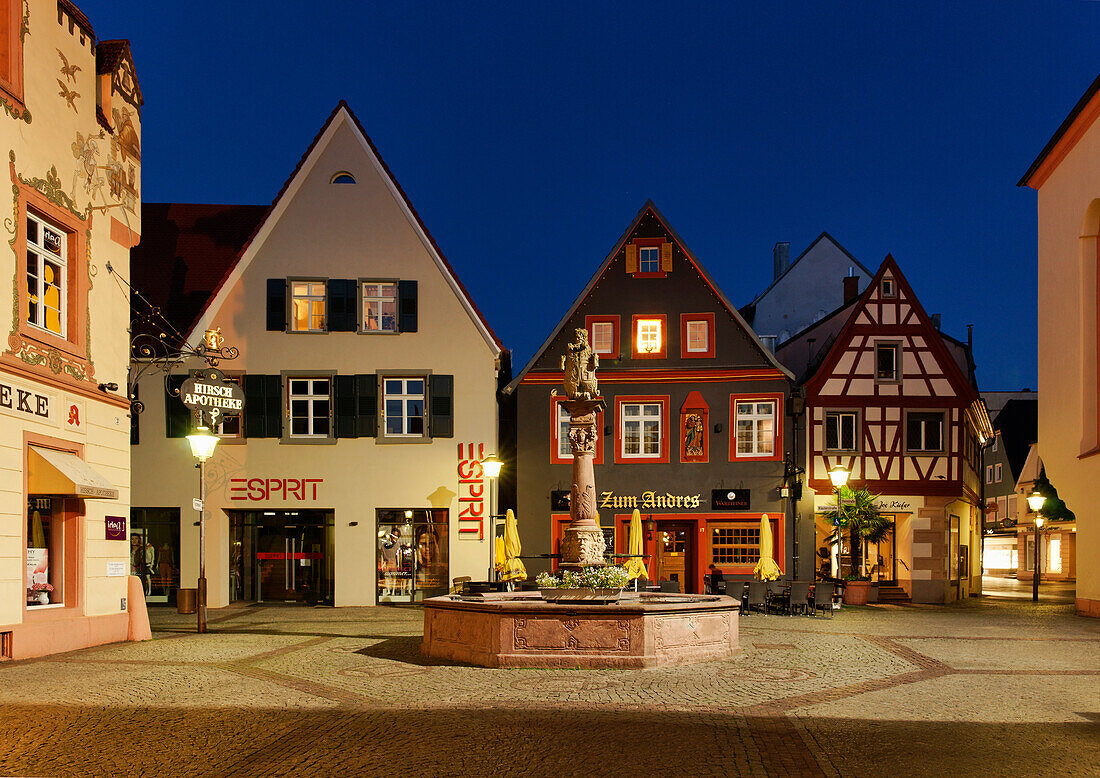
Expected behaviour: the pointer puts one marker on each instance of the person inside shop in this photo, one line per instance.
(717, 581)
(143, 558)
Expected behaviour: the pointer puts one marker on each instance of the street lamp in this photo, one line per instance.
(492, 466)
(202, 448)
(1035, 502)
(838, 474)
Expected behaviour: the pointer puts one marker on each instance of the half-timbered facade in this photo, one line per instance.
(695, 431)
(891, 399)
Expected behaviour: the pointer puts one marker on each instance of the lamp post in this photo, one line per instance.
(1035, 502)
(492, 466)
(202, 448)
(838, 474)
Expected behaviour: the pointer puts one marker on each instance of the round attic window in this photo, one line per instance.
(343, 177)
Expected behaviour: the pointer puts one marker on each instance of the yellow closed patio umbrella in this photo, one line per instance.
(635, 547)
(513, 565)
(498, 555)
(766, 569)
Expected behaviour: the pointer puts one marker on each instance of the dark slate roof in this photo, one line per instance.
(1018, 423)
(108, 54)
(185, 251)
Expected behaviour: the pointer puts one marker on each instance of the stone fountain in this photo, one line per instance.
(520, 629)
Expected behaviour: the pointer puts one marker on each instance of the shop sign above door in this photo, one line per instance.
(730, 500)
(648, 500)
(209, 396)
(27, 402)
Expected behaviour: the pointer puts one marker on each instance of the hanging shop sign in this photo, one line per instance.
(471, 491)
(210, 396)
(648, 500)
(115, 527)
(260, 489)
(730, 500)
(826, 503)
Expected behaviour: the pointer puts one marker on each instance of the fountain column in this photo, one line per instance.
(582, 544)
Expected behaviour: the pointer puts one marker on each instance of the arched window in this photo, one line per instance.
(343, 177)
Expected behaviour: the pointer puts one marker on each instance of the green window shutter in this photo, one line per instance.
(177, 416)
(441, 421)
(366, 390)
(407, 305)
(345, 407)
(273, 406)
(263, 406)
(276, 305)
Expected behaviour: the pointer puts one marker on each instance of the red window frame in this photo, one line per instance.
(777, 455)
(663, 400)
(634, 336)
(614, 322)
(557, 459)
(649, 243)
(11, 66)
(685, 318)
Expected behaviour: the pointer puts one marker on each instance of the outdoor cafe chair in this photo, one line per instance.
(823, 598)
(758, 597)
(800, 597)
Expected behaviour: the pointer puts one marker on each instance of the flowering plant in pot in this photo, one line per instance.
(603, 584)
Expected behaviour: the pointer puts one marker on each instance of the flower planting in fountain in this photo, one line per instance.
(596, 577)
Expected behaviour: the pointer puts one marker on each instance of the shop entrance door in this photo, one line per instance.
(289, 556)
(675, 558)
(882, 564)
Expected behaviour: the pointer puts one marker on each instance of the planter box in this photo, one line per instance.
(586, 596)
(856, 592)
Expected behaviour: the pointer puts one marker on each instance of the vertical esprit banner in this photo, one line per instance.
(471, 491)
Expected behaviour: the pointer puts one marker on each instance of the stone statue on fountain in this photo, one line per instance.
(582, 544)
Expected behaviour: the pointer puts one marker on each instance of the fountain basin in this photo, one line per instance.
(521, 630)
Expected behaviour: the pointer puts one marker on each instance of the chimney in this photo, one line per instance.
(936, 320)
(851, 288)
(781, 255)
(970, 336)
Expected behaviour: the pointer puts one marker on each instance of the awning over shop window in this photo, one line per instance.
(63, 473)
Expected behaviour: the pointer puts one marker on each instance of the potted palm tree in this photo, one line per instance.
(864, 524)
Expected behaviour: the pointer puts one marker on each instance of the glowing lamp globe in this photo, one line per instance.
(492, 465)
(202, 444)
(838, 474)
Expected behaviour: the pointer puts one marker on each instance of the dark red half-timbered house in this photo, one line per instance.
(695, 432)
(893, 400)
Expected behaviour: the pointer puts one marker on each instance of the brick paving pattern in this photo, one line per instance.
(977, 688)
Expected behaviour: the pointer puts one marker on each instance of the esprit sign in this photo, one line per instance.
(209, 395)
(471, 491)
(260, 489)
(648, 500)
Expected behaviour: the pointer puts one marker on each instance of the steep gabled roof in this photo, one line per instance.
(341, 114)
(936, 344)
(652, 209)
(1018, 423)
(823, 236)
(1064, 133)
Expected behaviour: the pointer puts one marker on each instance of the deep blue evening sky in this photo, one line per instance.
(528, 136)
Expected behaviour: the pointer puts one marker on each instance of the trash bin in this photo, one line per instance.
(187, 600)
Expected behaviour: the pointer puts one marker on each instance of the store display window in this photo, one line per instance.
(155, 552)
(412, 554)
(45, 552)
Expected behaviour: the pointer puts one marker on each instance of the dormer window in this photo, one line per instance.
(649, 259)
(343, 177)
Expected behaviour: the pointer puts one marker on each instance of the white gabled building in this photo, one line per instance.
(370, 380)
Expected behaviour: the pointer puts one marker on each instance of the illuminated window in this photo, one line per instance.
(755, 428)
(735, 545)
(565, 448)
(307, 306)
(310, 407)
(649, 259)
(649, 336)
(641, 429)
(404, 406)
(46, 276)
(379, 306)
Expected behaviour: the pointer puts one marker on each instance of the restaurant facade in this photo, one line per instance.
(73, 165)
(695, 432)
(353, 475)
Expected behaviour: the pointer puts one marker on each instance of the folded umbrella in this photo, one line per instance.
(766, 569)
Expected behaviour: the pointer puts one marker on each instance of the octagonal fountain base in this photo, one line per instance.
(521, 630)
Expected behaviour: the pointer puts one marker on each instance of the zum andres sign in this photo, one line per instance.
(209, 396)
(648, 500)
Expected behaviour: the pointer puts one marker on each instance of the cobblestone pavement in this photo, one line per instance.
(978, 688)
